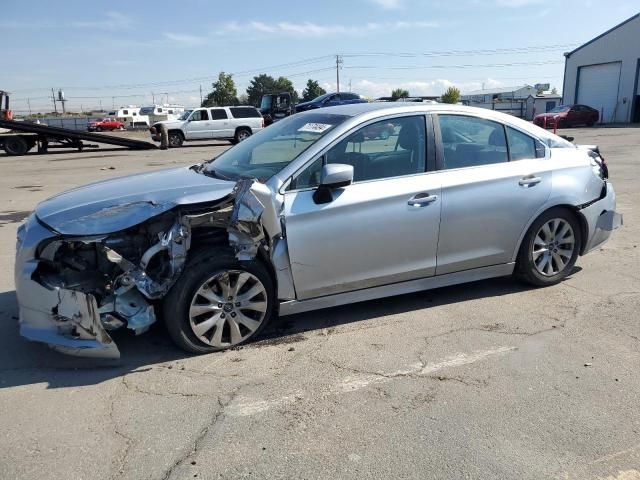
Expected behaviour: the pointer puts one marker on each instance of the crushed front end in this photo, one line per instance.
(73, 290)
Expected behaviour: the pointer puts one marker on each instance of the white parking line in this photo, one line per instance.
(242, 407)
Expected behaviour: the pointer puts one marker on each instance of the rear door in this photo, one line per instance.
(221, 127)
(492, 185)
(198, 125)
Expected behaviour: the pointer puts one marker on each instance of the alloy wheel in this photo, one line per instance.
(553, 247)
(228, 308)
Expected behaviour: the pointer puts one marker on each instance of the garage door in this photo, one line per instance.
(598, 88)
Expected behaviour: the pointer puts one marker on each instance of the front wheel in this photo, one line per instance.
(218, 302)
(175, 139)
(550, 248)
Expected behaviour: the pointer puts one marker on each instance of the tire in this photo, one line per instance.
(121, 128)
(175, 139)
(205, 273)
(545, 259)
(16, 146)
(241, 135)
(98, 129)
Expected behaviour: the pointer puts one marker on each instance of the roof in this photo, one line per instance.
(495, 91)
(547, 95)
(602, 35)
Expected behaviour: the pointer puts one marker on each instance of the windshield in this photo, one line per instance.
(266, 102)
(266, 153)
(561, 108)
(185, 115)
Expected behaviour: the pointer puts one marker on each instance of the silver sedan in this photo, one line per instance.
(324, 208)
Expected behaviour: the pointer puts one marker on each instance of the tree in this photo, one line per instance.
(399, 93)
(283, 84)
(224, 92)
(312, 90)
(452, 95)
(554, 91)
(263, 84)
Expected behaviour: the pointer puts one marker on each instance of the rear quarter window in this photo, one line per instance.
(244, 112)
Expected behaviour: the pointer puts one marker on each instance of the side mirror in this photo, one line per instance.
(333, 175)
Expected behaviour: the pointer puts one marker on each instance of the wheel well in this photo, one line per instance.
(584, 231)
(243, 128)
(219, 239)
(179, 132)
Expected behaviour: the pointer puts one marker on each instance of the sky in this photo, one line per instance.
(138, 52)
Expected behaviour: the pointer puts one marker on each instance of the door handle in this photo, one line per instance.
(529, 181)
(421, 200)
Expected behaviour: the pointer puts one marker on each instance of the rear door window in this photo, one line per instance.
(521, 145)
(218, 114)
(471, 141)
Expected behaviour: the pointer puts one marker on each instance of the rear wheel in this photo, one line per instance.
(218, 302)
(121, 127)
(241, 135)
(175, 139)
(98, 129)
(550, 248)
(16, 146)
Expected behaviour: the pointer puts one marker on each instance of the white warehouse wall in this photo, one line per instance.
(621, 44)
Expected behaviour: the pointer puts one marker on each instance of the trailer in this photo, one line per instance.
(17, 138)
(23, 136)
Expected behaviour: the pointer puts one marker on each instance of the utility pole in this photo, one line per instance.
(349, 85)
(53, 97)
(153, 97)
(200, 95)
(113, 103)
(338, 63)
(29, 105)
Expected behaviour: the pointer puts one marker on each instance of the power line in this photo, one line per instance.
(487, 65)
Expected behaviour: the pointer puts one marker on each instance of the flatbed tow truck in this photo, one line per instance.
(18, 137)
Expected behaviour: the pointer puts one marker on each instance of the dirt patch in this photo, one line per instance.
(27, 187)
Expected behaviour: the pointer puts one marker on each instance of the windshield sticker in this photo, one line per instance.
(315, 127)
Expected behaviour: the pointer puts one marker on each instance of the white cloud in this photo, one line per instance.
(374, 89)
(184, 38)
(310, 29)
(389, 4)
(113, 21)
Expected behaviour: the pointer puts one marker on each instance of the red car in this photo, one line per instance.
(105, 124)
(568, 116)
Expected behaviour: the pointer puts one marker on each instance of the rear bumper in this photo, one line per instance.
(601, 219)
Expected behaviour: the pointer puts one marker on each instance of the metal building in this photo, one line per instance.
(603, 73)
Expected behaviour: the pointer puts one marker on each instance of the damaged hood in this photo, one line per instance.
(112, 205)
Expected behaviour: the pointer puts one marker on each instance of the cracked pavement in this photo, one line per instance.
(486, 380)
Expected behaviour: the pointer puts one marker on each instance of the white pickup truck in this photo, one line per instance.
(226, 123)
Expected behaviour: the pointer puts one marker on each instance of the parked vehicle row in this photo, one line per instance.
(440, 194)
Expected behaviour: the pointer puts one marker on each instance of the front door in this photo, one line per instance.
(381, 229)
(489, 192)
(198, 126)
